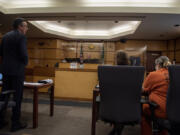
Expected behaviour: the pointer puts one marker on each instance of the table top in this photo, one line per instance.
(34, 84)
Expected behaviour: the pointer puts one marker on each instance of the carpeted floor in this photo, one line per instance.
(71, 118)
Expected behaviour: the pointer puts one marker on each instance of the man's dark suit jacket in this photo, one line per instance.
(13, 50)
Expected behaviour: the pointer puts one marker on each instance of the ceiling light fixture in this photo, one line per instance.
(131, 1)
(120, 29)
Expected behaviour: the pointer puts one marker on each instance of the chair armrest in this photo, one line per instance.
(11, 104)
(96, 92)
(144, 101)
(146, 94)
(153, 105)
(7, 92)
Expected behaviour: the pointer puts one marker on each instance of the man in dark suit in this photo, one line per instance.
(14, 55)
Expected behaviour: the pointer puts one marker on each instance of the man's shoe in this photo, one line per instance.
(18, 126)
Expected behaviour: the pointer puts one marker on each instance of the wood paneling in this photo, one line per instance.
(75, 84)
(90, 47)
(141, 44)
(140, 47)
(44, 71)
(110, 56)
(174, 50)
(42, 43)
(178, 44)
(47, 52)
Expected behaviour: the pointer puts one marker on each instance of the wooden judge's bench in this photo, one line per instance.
(77, 83)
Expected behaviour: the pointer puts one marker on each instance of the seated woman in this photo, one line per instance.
(156, 86)
(122, 58)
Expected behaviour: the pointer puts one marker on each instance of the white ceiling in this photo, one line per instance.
(157, 17)
(89, 6)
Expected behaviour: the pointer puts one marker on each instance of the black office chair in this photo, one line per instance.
(172, 123)
(5, 101)
(173, 100)
(120, 94)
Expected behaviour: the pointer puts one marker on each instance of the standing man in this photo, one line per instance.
(14, 55)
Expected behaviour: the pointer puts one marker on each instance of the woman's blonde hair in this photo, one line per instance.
(163, 62)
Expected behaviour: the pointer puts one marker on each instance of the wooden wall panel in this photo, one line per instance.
(36, 53)
(140, 47)
(140, 44)
(178, 51)
(61, 43)
(110, 57)
(156, 45)
(178, 44)
(53, 54)
(90, 55)
(90, 47)
(45, 52)
(29, 78)
(50, 63)
(35, 62)
(109, 46)
(174, 50)
(42, 43)
(170, 49)
(54, 51)
(109, 62)
(70, 54)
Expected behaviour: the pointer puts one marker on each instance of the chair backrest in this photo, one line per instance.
(120, 90)
(173, 96)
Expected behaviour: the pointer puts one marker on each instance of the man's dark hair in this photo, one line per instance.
(17, 22)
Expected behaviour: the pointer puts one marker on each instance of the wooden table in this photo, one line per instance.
(95, 110)
(35, 87)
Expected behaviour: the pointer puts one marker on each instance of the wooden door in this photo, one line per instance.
(150, 63)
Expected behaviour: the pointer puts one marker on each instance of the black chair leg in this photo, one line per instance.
(117, 130)
(113, 131)
(120, 129)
